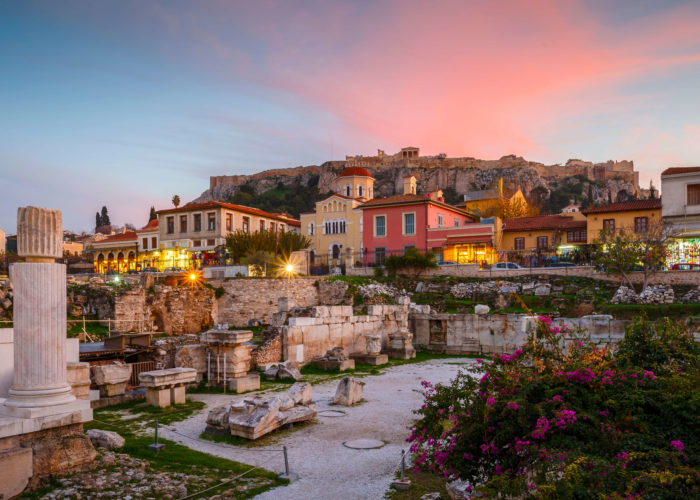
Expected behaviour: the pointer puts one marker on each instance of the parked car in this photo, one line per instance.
(558, 263)
(447, 263)
(685, 267)
(149, 270)
(174, 270)
(505, 265)
(112, 272)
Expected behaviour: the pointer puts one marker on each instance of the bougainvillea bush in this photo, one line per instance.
(563, 418)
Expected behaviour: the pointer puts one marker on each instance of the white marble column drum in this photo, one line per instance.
(40, 331)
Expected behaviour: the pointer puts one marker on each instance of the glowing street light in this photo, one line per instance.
(289, 268)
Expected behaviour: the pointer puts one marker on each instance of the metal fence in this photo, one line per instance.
(139, 367)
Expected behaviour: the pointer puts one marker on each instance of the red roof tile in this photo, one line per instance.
(625, 206)
(230, 206)
(411, 199)
(151, 226)
(124, 237)
(350, 171)
(543, 222)
(680, 170)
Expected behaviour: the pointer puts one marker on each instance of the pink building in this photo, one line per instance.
(426, 222)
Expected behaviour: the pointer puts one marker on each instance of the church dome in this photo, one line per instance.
(359, 171)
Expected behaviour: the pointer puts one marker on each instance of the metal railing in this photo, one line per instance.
(139, 367)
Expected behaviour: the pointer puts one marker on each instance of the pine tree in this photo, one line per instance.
(98, 221)
(104, 218)
(152, 214)
(610, 197)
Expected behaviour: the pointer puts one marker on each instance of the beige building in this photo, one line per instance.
(335, 227)
(3, 242)
(195, 235)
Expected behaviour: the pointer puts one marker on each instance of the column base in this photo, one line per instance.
(46, 411)
(39, 398)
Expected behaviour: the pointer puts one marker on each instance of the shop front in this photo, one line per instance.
(470, 250)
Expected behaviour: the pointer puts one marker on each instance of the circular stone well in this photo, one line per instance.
(363, 444)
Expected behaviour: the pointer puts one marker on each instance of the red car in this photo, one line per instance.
(686, 267)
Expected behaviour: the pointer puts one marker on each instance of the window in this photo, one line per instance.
(229, 222)
(183, 223)
(456, 222)
(273, 227)
(542, 242)
(246, 224)
(171, 225)
(262, 225)
(576, 236)
(380, 225)
(211, 222)
(311, 228)
(154, 242)
(520, 243)
(609, 225)
(196, 243)
(360, 191)
(693, 194)
(379, 255)
(144, 243)
(409, 223)
(197, 222)
(348, 191)
(641, 224)
(440, 220)
(282, 228)
(211, 243)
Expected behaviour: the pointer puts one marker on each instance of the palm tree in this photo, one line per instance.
(176, 201)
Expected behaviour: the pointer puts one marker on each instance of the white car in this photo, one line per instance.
(506, 265)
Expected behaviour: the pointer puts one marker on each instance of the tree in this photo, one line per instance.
(104, 218)
(412, 261)
(152, 215)
(622, 251)
(652, 190)
(98, 220)
(241, 244)
(176, 201)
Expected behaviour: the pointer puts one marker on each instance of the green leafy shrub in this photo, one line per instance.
(412, 260)
(563, 418)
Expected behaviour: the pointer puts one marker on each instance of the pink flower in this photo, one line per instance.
(677, 445)
(490, 402)
(649, 374)
(512, 405)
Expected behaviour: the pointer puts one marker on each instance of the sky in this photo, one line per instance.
(126, 103)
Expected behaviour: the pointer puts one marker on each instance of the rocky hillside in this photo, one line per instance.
(549, 186)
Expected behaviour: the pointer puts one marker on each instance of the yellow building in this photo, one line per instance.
(494, 202)
(635, 215)
(335, 226)
(116, 253)
(530, 240)
(149, 256)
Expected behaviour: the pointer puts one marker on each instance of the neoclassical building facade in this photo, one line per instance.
(335, 226)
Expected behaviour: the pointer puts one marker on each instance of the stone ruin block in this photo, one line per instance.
(252, 418)
(112, 379)
(166, 387)
(349, 392)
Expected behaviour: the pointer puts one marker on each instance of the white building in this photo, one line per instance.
(681, 209)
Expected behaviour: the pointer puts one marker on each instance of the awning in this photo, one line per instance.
(453, 240)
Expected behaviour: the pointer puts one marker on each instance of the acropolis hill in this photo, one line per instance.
(611, 179)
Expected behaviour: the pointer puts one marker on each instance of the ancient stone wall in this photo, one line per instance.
(473, 271)
(256, 298)
(309, 337)
(270, 351)
(165, 309)
(474, 333)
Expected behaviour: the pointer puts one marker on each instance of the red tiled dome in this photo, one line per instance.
(350, 171)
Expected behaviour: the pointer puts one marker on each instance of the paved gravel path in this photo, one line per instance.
(327, 469)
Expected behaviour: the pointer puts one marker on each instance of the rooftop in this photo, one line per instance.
(680, 170)
(625, 206)
(240, 208)
(359, 171)
(543, 222)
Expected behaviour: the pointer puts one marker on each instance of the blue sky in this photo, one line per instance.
(126, 103)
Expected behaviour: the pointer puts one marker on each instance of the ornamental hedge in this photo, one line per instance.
(564, 418)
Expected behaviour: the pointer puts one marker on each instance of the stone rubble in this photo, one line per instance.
(349, 391)
(374, 289)
(693, 296)
(281, 371)
(105, 439)
(625, 295)
(657, 294)
(468, 290)
(254, 417)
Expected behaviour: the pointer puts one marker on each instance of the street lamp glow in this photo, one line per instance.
(193, 276)
(289, 268)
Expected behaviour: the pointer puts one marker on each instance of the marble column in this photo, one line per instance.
(40, 380)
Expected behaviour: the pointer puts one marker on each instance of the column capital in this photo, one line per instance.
(39, 233)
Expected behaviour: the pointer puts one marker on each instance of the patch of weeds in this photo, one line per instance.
(422, 483)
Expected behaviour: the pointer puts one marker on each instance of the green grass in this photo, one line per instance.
(266, 440)
(97, 331)
(133, 422)
(421, 484)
